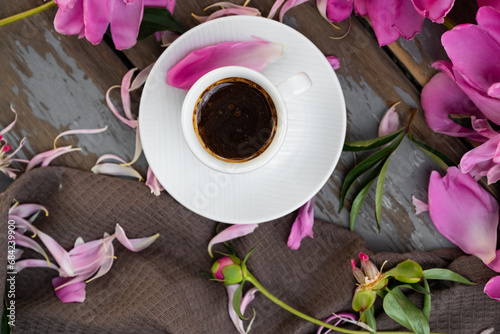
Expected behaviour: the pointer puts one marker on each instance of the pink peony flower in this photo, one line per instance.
(464, 213)
(389, 18)
(91, 18)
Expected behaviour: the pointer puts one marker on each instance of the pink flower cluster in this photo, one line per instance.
(468, 86)
(91, 18)
(389, 18)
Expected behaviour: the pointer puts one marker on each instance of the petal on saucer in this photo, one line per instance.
(254, 54)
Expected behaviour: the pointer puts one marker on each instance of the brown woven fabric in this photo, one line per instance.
(161, 289)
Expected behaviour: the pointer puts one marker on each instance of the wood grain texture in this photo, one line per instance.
(58, 83)
(417, 55)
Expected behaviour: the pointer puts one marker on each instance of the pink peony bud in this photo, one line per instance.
(227, 270)
(6, 148)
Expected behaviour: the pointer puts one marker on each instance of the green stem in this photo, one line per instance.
(250, 278)
(27, 13)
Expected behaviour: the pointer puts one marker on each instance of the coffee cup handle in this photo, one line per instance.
(294, 86)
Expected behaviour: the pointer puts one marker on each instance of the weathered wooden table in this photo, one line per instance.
(59, 82)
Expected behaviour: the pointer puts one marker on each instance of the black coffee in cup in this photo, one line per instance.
(235, 119)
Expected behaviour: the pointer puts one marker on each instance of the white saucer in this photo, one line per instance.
(316, 130)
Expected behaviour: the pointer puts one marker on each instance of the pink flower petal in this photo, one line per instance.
(130, 122)
(138, 149)
(70, 22)
(71, 293)
(494, 90)
(492, 288)
(470, 48)
(125, 22)
(493, 174)
(247, 299)
(135, 245)
(45, 158)
(230, 233)
(321, 5)
(339, 10)
(407, 20)
(11, 125)
(390, 122)
(495, 264)
(382, 16)
(275, 7)
(302, 226)
(493, 3)
(344, 316)
(488, 18)
(334, 61)
(482, 153)
(109, 157)
(168, 4)
(34, 263)
(419, 205)
(96, 15)
(9, 157)
(464, 213)
(483, 127)
(249, 11)
(26, 210)
(60, 254)
(125, 92)
(441, 97)
(24, 241)
(360, 7)
(116, 170)
(238, 324)
(289, 5)
(9, 172)
(432, 9)
(153, 184)
(141, 78)
(65, 4)
(255, 54)
(79, 131)
(107, 262)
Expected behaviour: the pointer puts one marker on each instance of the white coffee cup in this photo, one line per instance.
(280, 94)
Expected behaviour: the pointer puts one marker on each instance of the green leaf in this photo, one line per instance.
(158, 19)
(440, 158)
(370, 319)
(407, 271)
(402, 310)
(379, 192)
(364, 166)
(446, 274)
(427, 301)
(356, 204)
(250, 252)
(360, 197)
(237, 301)
(371, 144)
(414, 286)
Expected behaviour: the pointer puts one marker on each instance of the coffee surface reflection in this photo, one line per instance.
(235, 119)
